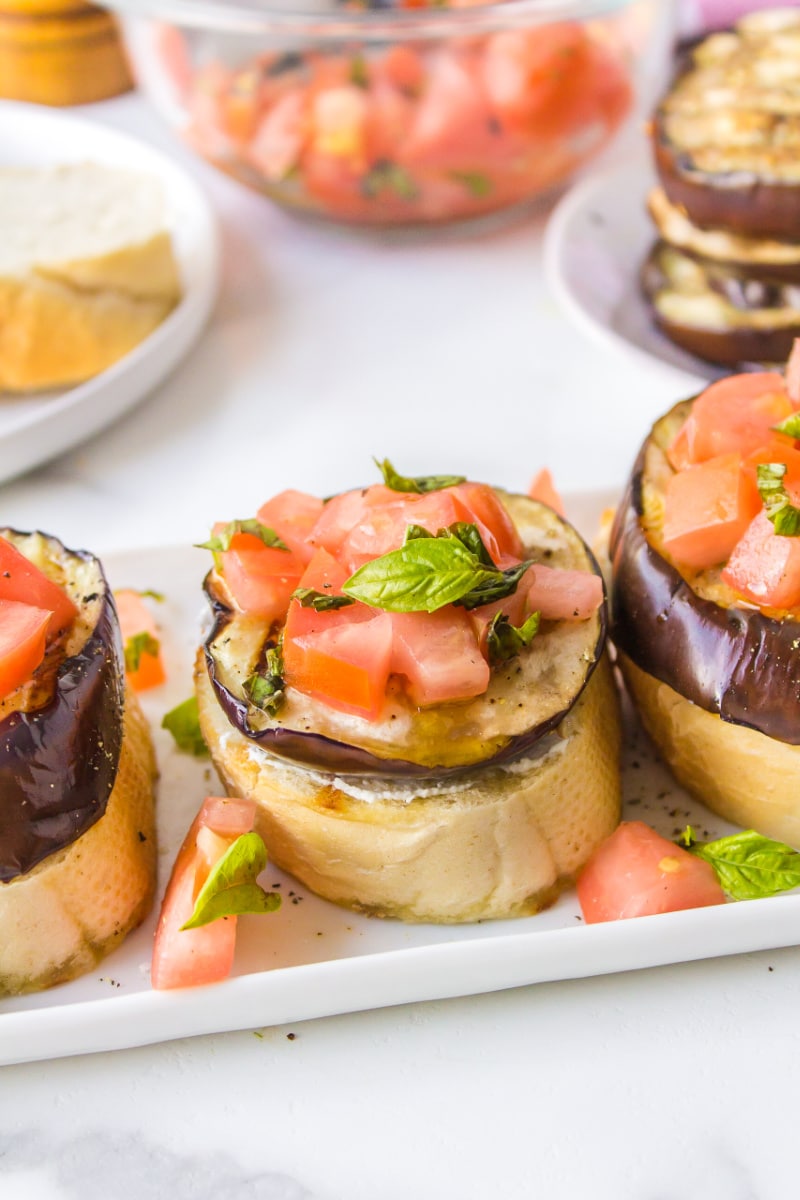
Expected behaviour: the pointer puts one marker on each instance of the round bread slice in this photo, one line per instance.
(61, 918)
(464, 811)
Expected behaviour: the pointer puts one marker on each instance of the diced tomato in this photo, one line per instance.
(188, 957)
(492, 518)
(543, 489)
(404, 68)
(537, 77)
(707, 508)
(776, 451)
(561, 595)
(345, 665)
(793, 374)
(387, 516)
(206, 128)
(23, 637)
(281, 136)
(338, 517)
(241, 105)
(293, 515)
(260, 578)
(439, 656)
(339, 123)
(134, 618)
(765, 566)
(733, 416)
(454, 127)
(172, 52)
(636, 873)
(21, 580)
(389, 120)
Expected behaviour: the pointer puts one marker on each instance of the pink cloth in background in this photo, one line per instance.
(698, 15)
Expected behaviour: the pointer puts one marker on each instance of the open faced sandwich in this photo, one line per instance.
(723, 279)
(77, 837)
(410, 682)
(706, 596)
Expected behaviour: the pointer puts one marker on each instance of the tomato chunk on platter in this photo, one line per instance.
(144, 664)
(636, 873)
(188, 957)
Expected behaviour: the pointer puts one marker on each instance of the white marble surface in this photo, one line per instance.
(665, 1084)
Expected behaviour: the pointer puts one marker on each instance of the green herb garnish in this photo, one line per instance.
(183, 722)
(477, 184)
(159, 596)
(790, 425)
(504, 640)
(264, 689)
(415, 483)
(220, 542)
(320, 601)
(136, 646)
(748, 865)
(231, 887)
(780, 510)
(388, 176)
(359, 75)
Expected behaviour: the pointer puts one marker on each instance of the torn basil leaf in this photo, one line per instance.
(748, 865)
(496, 586)
(504, 640)
(231, 887)
(477, 184)
(386, 176)
(320, 601)
(415, 483)
(469, 535)
(183, 722)
(264, 689)
(136, 646)
(777, 502)
(790, 425)
(220, 542)
(424, 575)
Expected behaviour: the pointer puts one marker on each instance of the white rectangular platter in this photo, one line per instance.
(314, 959)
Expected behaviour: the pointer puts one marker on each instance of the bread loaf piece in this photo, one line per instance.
(87, 271)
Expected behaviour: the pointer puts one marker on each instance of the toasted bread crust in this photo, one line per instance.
(60, 919)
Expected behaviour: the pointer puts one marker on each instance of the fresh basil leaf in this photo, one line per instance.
(136, 646)
(320, 601)
(220, 542)
(386, 176)
(780, 510)
(159, 596)
(496, 586)
(477, 184)
(183, 722)
(504, 640)
(415, 483)
(231, 887)
(750, 866)
(469, 535)
(424, 575)
(416, 531)
(265, 689)
(790, 425)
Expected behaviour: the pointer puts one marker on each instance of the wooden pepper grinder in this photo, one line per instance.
(59, 52)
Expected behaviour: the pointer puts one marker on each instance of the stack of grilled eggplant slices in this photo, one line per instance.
(723, 278)
(447, 810)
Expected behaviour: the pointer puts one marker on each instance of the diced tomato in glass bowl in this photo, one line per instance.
(396, 112)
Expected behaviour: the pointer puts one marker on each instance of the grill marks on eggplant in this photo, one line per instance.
(527, 697)
(687, 628)
(61, 735)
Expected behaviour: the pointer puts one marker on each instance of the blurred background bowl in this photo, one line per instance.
(398, 112)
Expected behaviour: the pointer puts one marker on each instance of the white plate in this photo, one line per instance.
(36, 428)
(314, 959)
(595, 244)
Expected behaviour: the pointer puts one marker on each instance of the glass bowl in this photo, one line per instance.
(395, 112)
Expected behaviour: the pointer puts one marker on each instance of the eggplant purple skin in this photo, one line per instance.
(733, 661)
(317, 752)
(58, 764)
(739, 203)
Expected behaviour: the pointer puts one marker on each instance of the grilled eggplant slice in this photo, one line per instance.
(726, 137)
(719, 313)
(484, 808)
(77, 838)
(716, 682)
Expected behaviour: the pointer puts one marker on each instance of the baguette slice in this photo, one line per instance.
(87, 271)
